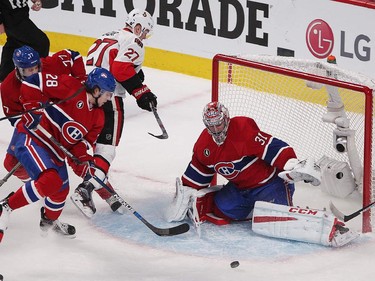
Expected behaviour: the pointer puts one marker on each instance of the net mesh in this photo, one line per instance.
(292, 106)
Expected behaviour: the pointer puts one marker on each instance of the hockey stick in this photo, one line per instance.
(340, 215)
(164, 134)
(43, 106)
(11, 172)
(176, 230)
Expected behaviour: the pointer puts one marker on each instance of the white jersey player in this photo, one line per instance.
(122, 53)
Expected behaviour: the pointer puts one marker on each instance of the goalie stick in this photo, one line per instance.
(164, 134)
(171, 231)
(340, 215)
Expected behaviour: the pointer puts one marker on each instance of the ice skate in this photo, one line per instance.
(60, 228)
(82, 198)
(5, 211)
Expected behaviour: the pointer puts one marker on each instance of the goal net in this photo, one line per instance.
(316, 107)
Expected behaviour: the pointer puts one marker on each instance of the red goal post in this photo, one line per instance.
(290, 98)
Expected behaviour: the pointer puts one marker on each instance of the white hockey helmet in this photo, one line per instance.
(216, 119)
(144, 19)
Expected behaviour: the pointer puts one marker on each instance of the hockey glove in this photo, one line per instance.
(31, 119)
(144, 96)
(85, 165)
(305, 170)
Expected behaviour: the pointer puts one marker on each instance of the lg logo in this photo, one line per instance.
(319, 38)
(320, 41)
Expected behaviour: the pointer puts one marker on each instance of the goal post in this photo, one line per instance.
(318, 108)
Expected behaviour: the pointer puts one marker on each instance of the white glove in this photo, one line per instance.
(305, 170)
(181, 203)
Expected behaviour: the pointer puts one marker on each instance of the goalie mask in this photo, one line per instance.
(216, 119)
(144, 20)
(26, 61)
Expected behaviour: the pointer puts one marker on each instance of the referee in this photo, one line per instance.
(20, 31)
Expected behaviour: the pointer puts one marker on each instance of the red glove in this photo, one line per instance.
(31, 119)
(85, 165)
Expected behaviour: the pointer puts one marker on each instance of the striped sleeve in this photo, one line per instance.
(277, 153)
(197, 175)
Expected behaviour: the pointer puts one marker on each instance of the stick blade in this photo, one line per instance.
(163, 136)
(176, 230)
(336, 212)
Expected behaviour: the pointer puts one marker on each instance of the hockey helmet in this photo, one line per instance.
(144, 19)
(100, 78)
(23, 58)
(216, 119)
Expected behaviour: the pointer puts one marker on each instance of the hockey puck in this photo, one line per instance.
(234, 264)
(1, 277)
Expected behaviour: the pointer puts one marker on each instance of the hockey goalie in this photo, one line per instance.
(261, 171)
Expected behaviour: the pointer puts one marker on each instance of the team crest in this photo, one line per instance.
(73, 132)
(227, 170)
(206, 152)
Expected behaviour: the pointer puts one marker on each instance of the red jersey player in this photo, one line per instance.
(74, 123)
(122, 53)
(28, 62)
(261, 171)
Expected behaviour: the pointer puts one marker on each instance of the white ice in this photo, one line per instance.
(112, 247)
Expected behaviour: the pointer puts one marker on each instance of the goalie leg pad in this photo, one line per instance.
(337, 177)
(305, 225)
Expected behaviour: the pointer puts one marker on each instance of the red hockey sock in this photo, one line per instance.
(17, 200)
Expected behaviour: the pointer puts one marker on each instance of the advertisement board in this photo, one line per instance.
(192, 31)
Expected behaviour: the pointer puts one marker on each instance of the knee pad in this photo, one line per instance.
(48, 183)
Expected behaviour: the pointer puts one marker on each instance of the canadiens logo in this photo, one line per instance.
(227, 170)
(206, 152)
(73, 132)
(80, 104)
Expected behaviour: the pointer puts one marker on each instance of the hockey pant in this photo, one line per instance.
(49, 178)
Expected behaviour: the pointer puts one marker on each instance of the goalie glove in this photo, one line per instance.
(181, 203)
(305, 170)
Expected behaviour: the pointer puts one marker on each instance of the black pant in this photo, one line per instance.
(23, 33)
